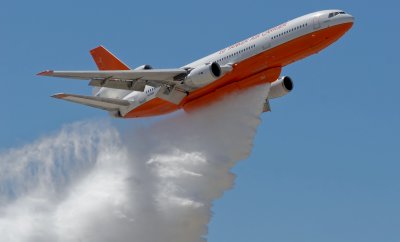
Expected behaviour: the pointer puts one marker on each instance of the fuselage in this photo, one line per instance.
(255, 60)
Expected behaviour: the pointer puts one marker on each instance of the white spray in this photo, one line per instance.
(152, 184)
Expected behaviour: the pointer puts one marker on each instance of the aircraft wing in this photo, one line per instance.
(122, 79)
(109, 104)
(153, 74)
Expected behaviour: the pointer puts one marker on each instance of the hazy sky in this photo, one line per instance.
(325, 162)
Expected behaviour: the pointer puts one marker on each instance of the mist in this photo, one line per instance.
(92, 181)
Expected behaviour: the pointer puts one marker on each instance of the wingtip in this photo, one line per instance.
(45, 73)
(59, 95)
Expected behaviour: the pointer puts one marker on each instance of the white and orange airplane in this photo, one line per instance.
(145, 91)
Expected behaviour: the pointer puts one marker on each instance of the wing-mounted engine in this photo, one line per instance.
(203, 75)
(280, 87)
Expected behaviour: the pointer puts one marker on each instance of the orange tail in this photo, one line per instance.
(105, 60)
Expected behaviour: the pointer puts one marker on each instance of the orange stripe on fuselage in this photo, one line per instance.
(218, 94)
(278, 56)
(249, 72)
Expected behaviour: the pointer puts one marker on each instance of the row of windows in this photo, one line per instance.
(290, 30)
(150, 90)
(236, 53)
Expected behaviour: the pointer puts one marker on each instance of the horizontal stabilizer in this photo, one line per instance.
(109, 104)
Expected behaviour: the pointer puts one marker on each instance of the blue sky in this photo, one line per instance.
(325, 162)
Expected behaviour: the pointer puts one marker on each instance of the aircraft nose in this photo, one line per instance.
(348, 18)
(341, 18)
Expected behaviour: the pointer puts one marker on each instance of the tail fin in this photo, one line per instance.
(105, 60)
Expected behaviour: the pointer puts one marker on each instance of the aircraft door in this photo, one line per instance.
(316, 22)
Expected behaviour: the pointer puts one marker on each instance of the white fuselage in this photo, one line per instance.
(247, 48)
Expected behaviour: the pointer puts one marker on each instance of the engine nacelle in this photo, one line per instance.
(203, 75)
(144, 67)
(280, 87)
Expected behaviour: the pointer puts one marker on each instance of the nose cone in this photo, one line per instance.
(347, 18)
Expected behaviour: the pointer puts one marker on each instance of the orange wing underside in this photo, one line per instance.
(262, 68)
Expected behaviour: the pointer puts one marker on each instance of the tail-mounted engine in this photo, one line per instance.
(144, 67)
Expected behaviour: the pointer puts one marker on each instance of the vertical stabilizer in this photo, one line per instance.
(106, 61)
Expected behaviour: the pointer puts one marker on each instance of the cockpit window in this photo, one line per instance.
(333, 14)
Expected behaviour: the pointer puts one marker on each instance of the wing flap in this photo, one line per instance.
(136, 85)
(109, 104)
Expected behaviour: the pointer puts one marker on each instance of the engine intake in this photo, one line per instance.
(203, 75)
(280, 87)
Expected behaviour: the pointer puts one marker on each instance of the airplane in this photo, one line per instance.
(144, 91)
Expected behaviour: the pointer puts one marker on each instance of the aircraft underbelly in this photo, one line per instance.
(153, 107)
